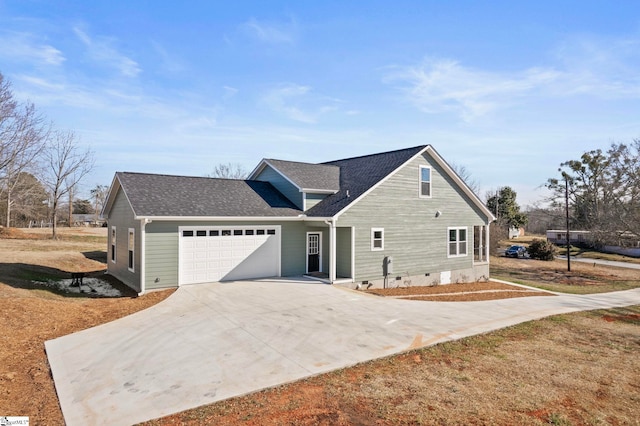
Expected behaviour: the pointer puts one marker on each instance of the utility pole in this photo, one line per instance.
(566, 207)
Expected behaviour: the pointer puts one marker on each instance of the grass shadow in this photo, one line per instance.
(31, 277)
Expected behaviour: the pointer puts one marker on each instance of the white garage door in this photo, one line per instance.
(209, 254)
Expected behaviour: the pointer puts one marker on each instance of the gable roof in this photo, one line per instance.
(307, 177)
(152, 195)
(360, 175)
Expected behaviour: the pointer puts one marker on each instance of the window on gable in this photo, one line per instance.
(377, 239)
(457, 242)
(132, 245)
(113, 244)
(425, 182)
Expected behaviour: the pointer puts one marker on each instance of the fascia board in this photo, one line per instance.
(453, 175)
(116, 185)
(257, 170)
(221, 218)
(264, 163)
(461, 183)
(318, 191)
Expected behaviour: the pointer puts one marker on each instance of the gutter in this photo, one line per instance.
(143, 238)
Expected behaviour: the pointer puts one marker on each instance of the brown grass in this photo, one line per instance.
(572, 369)
(579, 368)
(584, 277)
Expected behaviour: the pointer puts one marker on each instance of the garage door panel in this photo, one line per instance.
(240, 255)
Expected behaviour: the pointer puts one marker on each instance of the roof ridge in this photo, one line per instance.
(375, 154)
(300, 162)
(182, 176)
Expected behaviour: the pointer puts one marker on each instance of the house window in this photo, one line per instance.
(425, 182)
(377, 239)
(201, 233)
(260, 231)
(457, 242)
(480, 244)
(214, 233)
(237, 232)
(132, 245)
(187, 233)
(113, 244)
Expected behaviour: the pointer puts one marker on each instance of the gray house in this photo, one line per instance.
(387, 219)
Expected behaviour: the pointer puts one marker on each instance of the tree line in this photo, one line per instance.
(40, 166)
(603, 189)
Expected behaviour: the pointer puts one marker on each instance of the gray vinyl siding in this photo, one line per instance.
(162, 249)
(413, 235)
(343, 252)
(121, 216)
(281, 184)
(313, 199)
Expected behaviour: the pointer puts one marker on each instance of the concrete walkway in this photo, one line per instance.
(617, 264)
(209, 342)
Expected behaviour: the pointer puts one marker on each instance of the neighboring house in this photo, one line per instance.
(515, 232)
(625, 243)
(394, 218)
(86, 219)
(559, 236)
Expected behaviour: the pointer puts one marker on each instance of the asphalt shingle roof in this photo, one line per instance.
(309, 176)
(165, 195)
(359, 174)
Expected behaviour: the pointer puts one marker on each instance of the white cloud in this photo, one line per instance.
(444, 85)
(101, 50)
(272, 33)
(605, 69)
(169, 62)
(298, 102)
(25, 47)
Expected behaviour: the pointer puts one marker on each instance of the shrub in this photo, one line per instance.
(542, 250)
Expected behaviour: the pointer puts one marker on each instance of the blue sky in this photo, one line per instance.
(507, 89)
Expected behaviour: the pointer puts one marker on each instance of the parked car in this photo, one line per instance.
(515, 251)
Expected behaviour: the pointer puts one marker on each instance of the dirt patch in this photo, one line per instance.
(463, 292)
(33, 313)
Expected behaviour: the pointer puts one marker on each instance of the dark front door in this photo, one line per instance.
(313, 253)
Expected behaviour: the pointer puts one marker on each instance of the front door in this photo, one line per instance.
(313, 252)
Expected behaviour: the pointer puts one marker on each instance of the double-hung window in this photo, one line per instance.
(425, 182)
(113, 244)
(377, 239)
(457, 242)
(132, 245)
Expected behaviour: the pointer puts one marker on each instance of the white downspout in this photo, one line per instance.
(143, 238)
(332, 249)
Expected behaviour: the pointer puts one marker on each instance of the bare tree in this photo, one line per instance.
(65, 167)
(22, 137)
(99, 194)
(466, 176)
(229, 171)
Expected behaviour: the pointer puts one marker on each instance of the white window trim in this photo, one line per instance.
(420, 182)
(466, 241)
(131, 268)
(113, 248)
(319, 251)
(373, 231)
(484, 244)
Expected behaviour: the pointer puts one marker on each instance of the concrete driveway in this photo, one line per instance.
(208, 342)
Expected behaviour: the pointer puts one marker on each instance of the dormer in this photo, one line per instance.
(304, 184)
